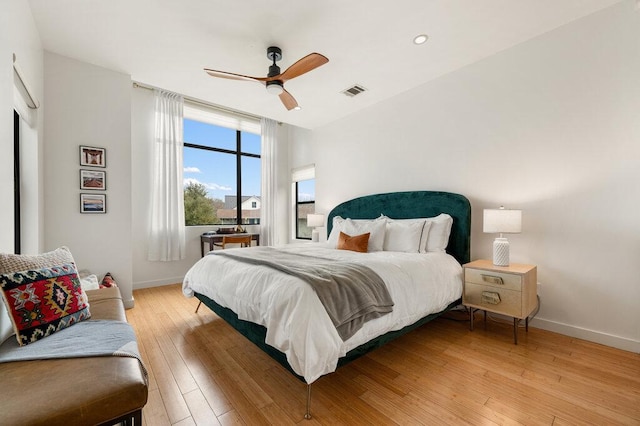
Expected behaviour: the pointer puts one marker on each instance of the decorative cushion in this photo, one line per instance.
(357, 243)
(439, 232)
(405, 236)
(375, 227)
(108, 281)
(23, 262)
(19, 262)
(89, 282)
(43, 301)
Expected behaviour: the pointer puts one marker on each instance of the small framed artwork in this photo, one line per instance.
(93, 203)
(93, 156)
(93, 179)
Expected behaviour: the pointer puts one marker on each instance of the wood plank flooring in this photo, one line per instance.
(202, 372)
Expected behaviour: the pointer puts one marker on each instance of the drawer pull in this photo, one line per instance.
(490, 297)
(492, 279)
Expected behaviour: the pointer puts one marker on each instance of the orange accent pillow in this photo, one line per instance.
(359, 243)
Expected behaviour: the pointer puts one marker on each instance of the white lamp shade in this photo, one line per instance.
(314, 220)
(502, 221)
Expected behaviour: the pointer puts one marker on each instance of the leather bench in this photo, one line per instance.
(76, 391)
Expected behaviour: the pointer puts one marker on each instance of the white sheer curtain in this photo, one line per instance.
(268, 214)
(167, 228)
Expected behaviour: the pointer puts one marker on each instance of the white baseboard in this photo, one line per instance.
(157, 283)
(586, 334)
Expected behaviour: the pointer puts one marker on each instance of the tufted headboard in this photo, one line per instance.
(413, 204)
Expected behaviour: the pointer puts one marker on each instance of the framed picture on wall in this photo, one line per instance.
(93, 156)
(93, 203)
(93, 179)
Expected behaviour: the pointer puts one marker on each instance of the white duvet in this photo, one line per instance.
(297, 323)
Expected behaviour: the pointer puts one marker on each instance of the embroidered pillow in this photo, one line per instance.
(43, 301)
(357, 243)
(10, 262)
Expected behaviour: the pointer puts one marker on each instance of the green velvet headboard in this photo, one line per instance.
(412, 204)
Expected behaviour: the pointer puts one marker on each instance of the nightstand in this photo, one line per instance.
(507, 290)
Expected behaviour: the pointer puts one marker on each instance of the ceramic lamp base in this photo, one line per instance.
(315, 236)
(501, 252)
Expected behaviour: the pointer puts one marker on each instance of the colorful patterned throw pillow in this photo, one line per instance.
(43, 301)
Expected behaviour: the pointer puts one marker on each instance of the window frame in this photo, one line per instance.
(238, 154)
(297, 204)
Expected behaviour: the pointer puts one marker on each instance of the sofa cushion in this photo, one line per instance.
(22, 262)
(43, 301)
(10, 262)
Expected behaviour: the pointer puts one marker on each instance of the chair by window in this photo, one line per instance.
(243, 240)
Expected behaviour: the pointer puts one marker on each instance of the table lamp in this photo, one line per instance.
(502, 221)
(313, 221)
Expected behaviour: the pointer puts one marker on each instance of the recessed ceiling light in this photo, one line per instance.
(419, 39)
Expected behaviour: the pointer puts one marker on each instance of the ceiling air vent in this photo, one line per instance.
(354, 90)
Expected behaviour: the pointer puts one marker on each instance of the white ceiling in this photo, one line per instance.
(167, 43)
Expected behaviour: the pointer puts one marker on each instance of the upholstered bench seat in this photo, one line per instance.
(76, 391)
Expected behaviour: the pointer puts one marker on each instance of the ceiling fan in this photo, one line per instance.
(275, 80)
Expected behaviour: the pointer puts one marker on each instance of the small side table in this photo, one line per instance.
(508, 290)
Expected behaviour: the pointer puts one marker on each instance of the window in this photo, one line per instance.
(304, 188)
(222, 168)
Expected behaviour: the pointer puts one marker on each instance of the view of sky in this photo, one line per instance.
(217, 171)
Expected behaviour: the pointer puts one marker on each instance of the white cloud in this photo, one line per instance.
(209, 186)
(192, 170)
(305, 197)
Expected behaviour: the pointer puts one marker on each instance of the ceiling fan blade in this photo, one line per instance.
(304, 65)
(288, 100)
(232, 76)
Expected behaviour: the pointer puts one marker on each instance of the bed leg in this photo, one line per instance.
(198, 307)
(307, 415)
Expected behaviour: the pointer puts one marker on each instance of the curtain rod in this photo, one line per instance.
(198, 101)
(32, 102)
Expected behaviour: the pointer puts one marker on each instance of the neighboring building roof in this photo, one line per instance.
(230, 200)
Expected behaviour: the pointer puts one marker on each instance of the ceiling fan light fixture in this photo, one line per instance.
(274, 87)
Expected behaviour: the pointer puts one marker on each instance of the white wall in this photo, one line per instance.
(550, 126)
(19, 35)
(88, 105)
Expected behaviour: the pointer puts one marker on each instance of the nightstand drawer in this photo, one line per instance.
(493, 279)
(492, 298)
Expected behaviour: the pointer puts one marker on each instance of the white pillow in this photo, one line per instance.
(425, 230)
(90, 282)
(439, 232)
(353, 227)
(405, 236)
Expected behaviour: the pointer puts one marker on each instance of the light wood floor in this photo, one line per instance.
(202, 372)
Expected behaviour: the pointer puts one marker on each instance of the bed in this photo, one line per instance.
(282, 315)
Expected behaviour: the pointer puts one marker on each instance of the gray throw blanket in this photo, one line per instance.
(351, 293)
(89, 338)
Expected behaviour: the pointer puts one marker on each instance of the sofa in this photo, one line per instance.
(98, 390)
